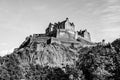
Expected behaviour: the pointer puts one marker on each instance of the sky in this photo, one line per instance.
(21, 18)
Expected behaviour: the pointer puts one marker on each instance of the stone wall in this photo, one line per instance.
(87, 36)
(84, 34)
(65, 34)
(50, 28)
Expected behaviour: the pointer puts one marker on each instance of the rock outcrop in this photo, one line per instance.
(54, 55)
(41, 61)
(31, 55)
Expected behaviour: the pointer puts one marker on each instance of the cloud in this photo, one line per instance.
(5, 52)
(3, 44)
(110, 34)
(111, 30)
(39, 7)
(111, 14)
(112, 1)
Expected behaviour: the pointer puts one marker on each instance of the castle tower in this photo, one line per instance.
(87, 35)
(69, 26)
(50, 28)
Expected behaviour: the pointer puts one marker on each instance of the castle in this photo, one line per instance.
(62, 33)
(66, 30)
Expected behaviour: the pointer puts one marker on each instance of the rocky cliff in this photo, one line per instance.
(33, 61)
(30, 55)
(53, 55)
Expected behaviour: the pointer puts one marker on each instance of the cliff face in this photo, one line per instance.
(53, 55)
(36, 60)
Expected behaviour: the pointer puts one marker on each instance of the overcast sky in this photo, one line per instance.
(21, 18)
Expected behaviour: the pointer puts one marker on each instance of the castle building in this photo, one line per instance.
(66, 30)
(62, 33)
(84, 34)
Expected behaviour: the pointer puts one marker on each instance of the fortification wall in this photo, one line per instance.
(62, 33)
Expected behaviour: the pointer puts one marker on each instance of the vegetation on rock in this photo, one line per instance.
(58, 62)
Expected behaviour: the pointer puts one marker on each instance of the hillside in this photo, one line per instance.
(19, 64)
(58, 62)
